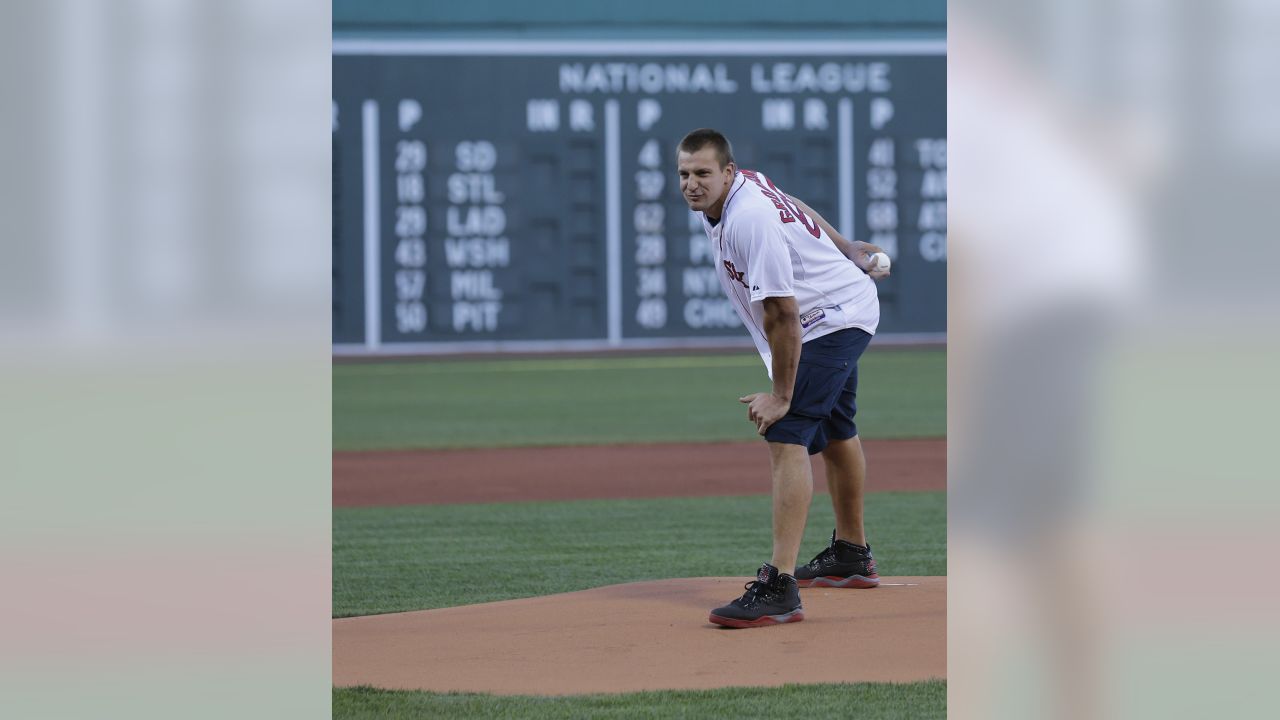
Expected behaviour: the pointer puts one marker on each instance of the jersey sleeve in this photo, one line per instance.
(763, 244)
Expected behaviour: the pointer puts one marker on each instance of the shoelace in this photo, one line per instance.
(828, 555)
(754, 589)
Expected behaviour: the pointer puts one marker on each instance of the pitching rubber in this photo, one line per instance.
(834, 581)
(793, 616)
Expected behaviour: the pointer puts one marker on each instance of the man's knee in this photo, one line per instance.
(842, 447)
(778, 448)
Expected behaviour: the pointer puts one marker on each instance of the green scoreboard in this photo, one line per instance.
(493, 195)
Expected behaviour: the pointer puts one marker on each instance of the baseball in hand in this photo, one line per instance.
(877, 262)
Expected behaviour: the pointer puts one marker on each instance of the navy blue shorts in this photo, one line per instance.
(823, 401)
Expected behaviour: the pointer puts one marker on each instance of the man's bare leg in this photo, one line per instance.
(846, 476)
(792, 493)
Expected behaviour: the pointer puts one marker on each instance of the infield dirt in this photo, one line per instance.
(647, 636)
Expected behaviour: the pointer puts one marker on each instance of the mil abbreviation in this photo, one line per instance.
(473, 285)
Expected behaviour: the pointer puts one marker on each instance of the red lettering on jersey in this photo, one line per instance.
(787, 212)
(733, 273)
(809, 225)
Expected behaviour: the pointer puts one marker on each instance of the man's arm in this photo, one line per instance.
(782, 330)
(856, 250)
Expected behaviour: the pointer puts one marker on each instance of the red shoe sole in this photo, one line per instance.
(835, 581)
(794, 616)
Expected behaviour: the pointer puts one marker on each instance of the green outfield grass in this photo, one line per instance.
(569, 401)
(431, 556)
(866, 701)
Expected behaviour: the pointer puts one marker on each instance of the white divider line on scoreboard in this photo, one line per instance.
(428, 46)
(613, 219)
(845, 186)
(372, 230)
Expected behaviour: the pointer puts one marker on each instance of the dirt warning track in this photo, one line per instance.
(417, 477)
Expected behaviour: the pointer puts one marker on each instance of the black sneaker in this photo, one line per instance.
(842, 565)
(770, 599)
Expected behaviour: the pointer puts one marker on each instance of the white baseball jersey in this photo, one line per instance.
(766, 247)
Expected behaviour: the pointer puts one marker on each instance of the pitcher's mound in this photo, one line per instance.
(648, 636)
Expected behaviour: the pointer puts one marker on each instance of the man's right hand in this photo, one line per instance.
(765, 409)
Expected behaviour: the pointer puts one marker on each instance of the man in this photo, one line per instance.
(804, 293)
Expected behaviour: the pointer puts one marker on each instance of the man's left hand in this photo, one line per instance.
(765, 409)
(862, 253)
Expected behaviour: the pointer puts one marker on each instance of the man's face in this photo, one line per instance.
(702, 181)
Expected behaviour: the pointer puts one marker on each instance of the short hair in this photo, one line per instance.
(702, 137)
